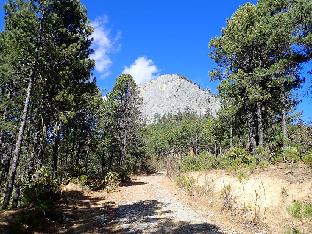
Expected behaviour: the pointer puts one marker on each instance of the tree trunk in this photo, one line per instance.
(42, 144)
(102, 164)
(4, 119)
(55, 154)
(284, 128)
(4, 171)
(231, 136)
(16, 153)
(284, 117)
(252, 132)
(16, 196)
(260, 124)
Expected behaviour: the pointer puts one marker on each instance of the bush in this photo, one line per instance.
(112, 181)
(263, 154)
(83, 180)
(301, 210)
(237, 157)
(291, 154)
(42, 191)
(204, 161)
(185, 182)
(307, 159)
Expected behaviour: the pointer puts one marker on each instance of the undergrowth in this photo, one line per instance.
(185, 182)
(301, 210)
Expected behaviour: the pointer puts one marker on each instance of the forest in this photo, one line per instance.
(56, 127)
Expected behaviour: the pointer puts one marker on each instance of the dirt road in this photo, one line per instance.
(149, 204)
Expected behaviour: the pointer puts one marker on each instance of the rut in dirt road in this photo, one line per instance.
(147, 207)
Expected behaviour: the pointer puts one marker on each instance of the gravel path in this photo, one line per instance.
(149, 204)
(148, 207)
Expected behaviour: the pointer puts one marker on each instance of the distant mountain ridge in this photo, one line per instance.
(173, 94)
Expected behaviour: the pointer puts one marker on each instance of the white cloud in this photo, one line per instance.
(142, 70)
(103, 45)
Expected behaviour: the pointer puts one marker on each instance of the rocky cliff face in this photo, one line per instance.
(171, 94)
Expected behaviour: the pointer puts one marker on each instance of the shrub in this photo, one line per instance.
(112, 181)
(151, 164)
(227, 197)
(203, 161)
(185, 182)
(307, 159)
(292, 230)
(291, 154)
(263, 154)
(301, 210)
(241, 176)
(83, 180)
(235, 158)
(42, 191)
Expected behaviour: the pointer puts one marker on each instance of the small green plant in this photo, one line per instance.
(291, 154)
(263, 164)
(112, 181)
(227, 197)
(241, 176)
(83, 179)
(301, 210)
(292, 230)
(186, 183)
(262, 154)
(307, 159)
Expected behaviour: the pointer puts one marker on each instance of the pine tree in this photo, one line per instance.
(124, 122)
(256, 64)
(52, 60)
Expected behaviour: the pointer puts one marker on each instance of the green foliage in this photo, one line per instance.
(263, 154)
(151, 164)
(300, 136)
(185, 182)
(235, 158)
(83, 179)
(180, 135)
(300, 210)
(293, 230)
(291, 154)
(307, 158)
(112, 180)
(241, 176)
(204, 161)
(121, 124)
(258, 60)
(42, 191)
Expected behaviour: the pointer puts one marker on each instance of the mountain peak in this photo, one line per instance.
(173, 94)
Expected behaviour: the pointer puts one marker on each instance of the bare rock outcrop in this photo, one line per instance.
(172, 94)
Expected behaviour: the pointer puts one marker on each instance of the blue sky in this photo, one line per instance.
(149, 38)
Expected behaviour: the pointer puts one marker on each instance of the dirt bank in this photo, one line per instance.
(262, 197)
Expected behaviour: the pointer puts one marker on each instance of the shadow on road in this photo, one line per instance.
(132, 183)
(149, 217)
